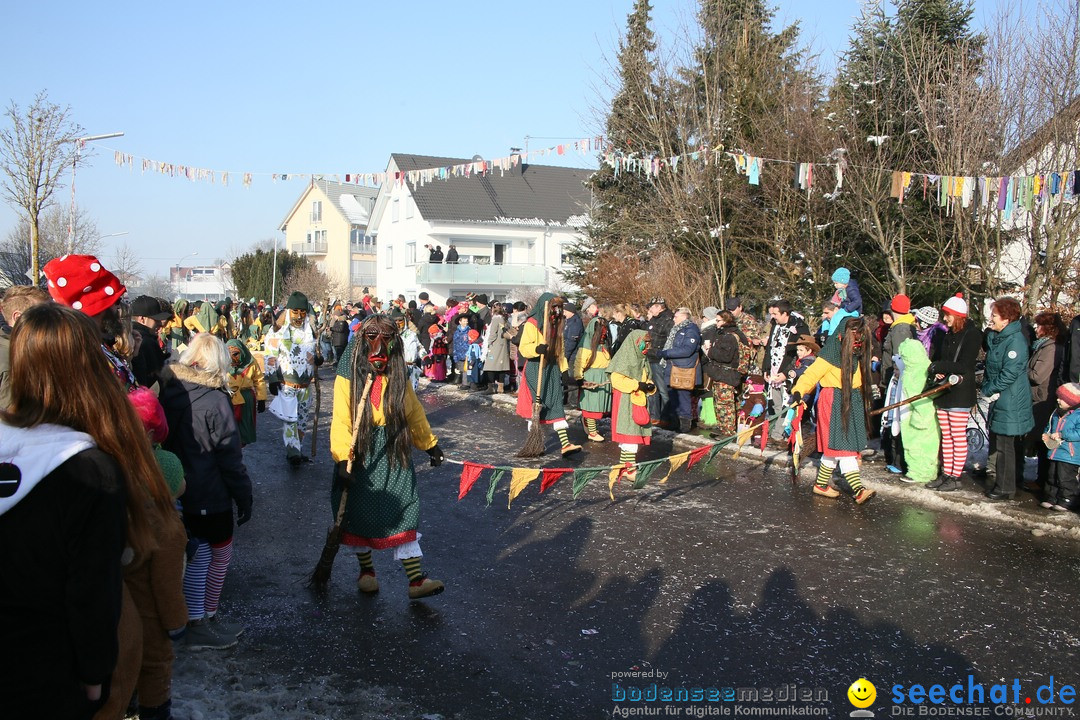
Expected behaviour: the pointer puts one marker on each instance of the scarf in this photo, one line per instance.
(671, 338)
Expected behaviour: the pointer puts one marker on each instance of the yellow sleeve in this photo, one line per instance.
(530, 338)
(193, 325)
(623, 383)
(258, 380)
(235, 385)
(341, 421)
(820, 370)
(422, 437)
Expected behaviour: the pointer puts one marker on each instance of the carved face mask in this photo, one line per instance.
(644, 344)
(379, 346)
(235, 355)
(297, 318)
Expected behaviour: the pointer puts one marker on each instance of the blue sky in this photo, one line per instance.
(333, 87)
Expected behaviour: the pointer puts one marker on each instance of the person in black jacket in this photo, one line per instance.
(659, 324)
(146, 319)
(339, 331)
(573, 329)
(80, 486)
(785, 327)
(203, 434)
(956, 355)
(623, 321)
(452, 254)
(722, 366)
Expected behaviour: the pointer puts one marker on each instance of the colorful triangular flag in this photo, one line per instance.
(696, 455)
(470, 473)
(645, 471)
(613, 477)
(582, 477)
(676, 463)
(551, 476)
(519, 479)
(495, 478)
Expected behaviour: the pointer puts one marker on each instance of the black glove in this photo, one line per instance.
(274, 387)
(436, 456)
(646, 387)
(243, 512)
(260, 406)
(541, 349)
(796, 397)
(319, 359)
(342, 477)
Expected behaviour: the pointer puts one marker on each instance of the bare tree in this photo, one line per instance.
(53, 241)
(35, 150)
(158, 286)
(317, 285)
(126, 264)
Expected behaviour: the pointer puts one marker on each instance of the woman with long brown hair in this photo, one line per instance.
(79, 483)
(843, 402)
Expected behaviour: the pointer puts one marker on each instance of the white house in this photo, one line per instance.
(202, 282)
(512, 229)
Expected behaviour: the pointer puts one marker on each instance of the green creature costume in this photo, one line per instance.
(918, 421)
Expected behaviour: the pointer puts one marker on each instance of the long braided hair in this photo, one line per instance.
(399, 439)
(854, 353)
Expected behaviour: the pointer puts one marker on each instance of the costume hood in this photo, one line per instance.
(27, 455)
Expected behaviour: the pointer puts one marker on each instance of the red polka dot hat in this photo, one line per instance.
(80, 282)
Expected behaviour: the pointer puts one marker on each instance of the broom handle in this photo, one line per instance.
(932, 391)
(356, 427)
(540, 375)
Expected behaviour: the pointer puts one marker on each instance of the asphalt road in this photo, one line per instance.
(727, 576)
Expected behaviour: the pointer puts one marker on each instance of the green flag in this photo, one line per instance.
(583, 477)
(495, 478)
(645, 471)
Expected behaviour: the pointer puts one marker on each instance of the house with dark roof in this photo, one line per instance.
(510, 226)
(328, 223)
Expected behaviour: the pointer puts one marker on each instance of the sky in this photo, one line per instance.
(330, 88)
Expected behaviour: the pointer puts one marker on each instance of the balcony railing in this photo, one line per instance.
(514, 275)
(309, 248)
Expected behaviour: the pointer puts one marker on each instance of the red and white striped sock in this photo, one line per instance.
(220, 556)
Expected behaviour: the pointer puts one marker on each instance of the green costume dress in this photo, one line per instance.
(918, 421)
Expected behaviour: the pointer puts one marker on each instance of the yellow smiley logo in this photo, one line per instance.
(862, 693)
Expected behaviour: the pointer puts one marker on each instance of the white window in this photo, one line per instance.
(408, 207)
(316, 211)
(394, 210)
(410, 253)
(389, 258)
(564, 254)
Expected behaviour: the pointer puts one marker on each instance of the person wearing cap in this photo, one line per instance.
(82, 283)
(957, 355)
(1044, 366)
(1061, 436)
(146, 319)
(682, 350)
(785, 327)
(590, 366)
(928, 327)
(292, 354)
(1006, 387)
(17, 300)
(658, 323)
(847, 296)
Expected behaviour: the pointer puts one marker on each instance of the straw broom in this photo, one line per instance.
(534, 443)
(320, 576)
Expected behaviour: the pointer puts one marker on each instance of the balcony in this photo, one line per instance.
(309, 248)
(475, 274)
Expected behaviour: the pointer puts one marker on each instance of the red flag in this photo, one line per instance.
(470, 473)
(696, 455)
(551, 476)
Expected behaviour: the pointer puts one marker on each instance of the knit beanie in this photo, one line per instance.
(956, 305)
(80, 282)
(1069, 393)
(473, 336)
(710, 312)
(171, 468)
(842, 275)
(927, 315)
(901, 304)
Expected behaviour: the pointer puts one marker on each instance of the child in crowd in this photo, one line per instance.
(461, 347)
(806, 350)
(474, 361)
(847, 296)
(248, 389)
(1062, 438)
(752, 411)
(435, 362)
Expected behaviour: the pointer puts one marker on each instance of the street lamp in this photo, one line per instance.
(178, 264)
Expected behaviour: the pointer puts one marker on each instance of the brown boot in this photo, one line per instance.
(570, 449)
(826, 491)
(425, 587)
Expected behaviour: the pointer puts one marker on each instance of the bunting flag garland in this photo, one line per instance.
(696, 455)
(613, 477)
(645, 471)
(519, 480)
(470, 473)
(551, 476)
(677, 462)
(582, 477)
(495, 478)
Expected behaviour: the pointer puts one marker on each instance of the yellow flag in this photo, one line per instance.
(612, 478)
(519, 478)
(677, 461)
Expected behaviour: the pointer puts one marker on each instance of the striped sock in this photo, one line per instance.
(626, 456)
(195, 582)
(590, 425)
(564, 437)
(854, 481)
(365, 562)
(824, 473)
(412, 569)
(220, 556)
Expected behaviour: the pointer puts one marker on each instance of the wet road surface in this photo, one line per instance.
(727, 576)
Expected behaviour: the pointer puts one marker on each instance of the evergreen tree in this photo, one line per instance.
(253, 273)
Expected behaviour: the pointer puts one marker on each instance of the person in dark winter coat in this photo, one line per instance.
(573, 329)
(681, 350)
(339, 331)
(956, 354)
(451, 254)
(203, 434)
(623, 322)
(147, 317)
(1007, 388)
(1044, 374)
(847, 296)
(80, 494)
(658, 325)
(785, 328)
